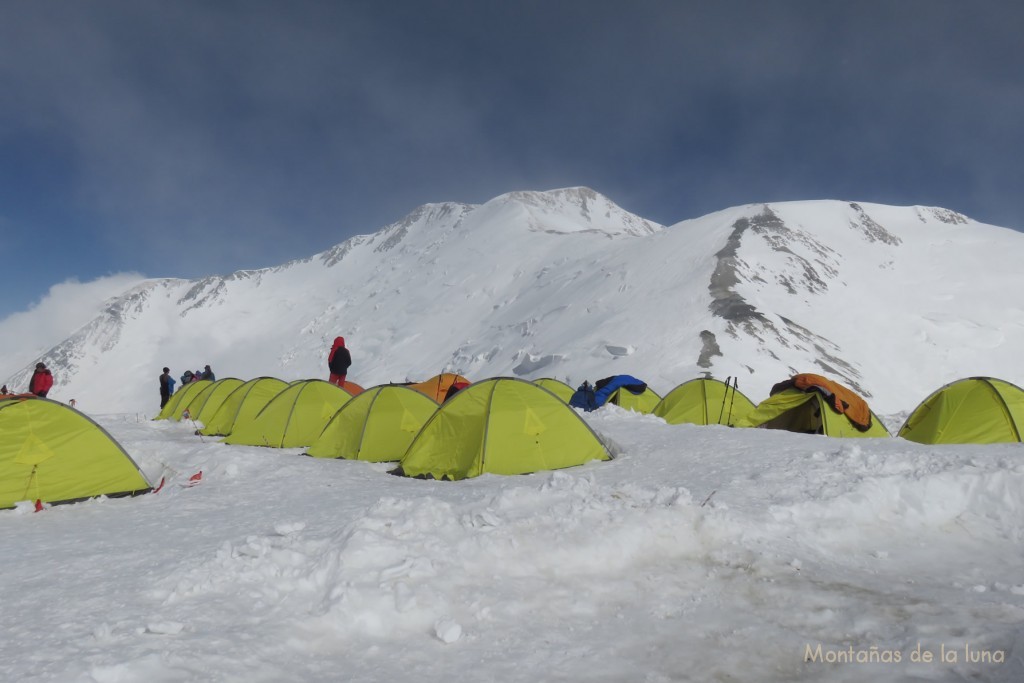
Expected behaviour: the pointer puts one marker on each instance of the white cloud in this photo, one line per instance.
(65, 307)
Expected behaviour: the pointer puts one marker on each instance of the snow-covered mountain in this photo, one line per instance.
(892, 301)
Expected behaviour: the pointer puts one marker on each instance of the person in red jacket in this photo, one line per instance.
(41, 381)
(338, 361)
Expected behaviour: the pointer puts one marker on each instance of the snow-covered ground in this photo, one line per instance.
(698, 554)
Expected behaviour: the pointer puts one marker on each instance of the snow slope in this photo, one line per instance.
(892, 301)
(699, 553)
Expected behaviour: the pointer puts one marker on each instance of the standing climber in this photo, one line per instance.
(41, 382)
(338, 361)
(166, 387)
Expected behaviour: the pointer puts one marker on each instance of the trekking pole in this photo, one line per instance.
(735, 385)
(724, 396)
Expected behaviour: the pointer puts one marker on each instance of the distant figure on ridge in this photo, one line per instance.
(187, 377)
(338, 361)
(3, 390)
(207, 373)
(166, 387)
(41, 381)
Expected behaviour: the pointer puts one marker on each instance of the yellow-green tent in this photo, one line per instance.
(376, 426)
(205, 405)
(52, 453)
(971, 410)
(181, 400)
(242, 404)
(807, 412)
(173, 401)
(294, 418)
(638, 403)
(704, 401)
(556, 387)
(501, 426)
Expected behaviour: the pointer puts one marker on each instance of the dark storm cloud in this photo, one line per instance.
(246, 133)
(186, 125)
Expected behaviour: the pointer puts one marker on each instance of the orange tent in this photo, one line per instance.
(437, 387)
(845, 401)
(352, 388)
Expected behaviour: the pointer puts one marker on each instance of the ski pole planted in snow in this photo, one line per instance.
(724, 396)
(735, 385)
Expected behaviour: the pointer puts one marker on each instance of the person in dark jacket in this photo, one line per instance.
(338, 362)
(166, 387)
(207, 373)
(41, 381)
(583, 397)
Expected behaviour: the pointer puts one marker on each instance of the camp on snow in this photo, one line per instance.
(704, 401)
(242, 404)
(501, 426)
(977, 410)
(812, 404)
(51, 453)
(294, 418)
(376, 426)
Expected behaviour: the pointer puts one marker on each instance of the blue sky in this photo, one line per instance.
(188, 138)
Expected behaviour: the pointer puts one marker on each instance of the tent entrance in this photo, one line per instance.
(804, 418)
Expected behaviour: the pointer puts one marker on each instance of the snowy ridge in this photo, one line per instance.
(565, 283)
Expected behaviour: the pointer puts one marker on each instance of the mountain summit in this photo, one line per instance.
(892, 301)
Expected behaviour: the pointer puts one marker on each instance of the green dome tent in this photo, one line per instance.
(242, 404)
(205, 406)
(972, 410)
(556, 387)
(294, 418)
(807, 412)
(52, 453)
(639, 403)
(501, 426)
(376, 426)
(181, 400)
(704, 401)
